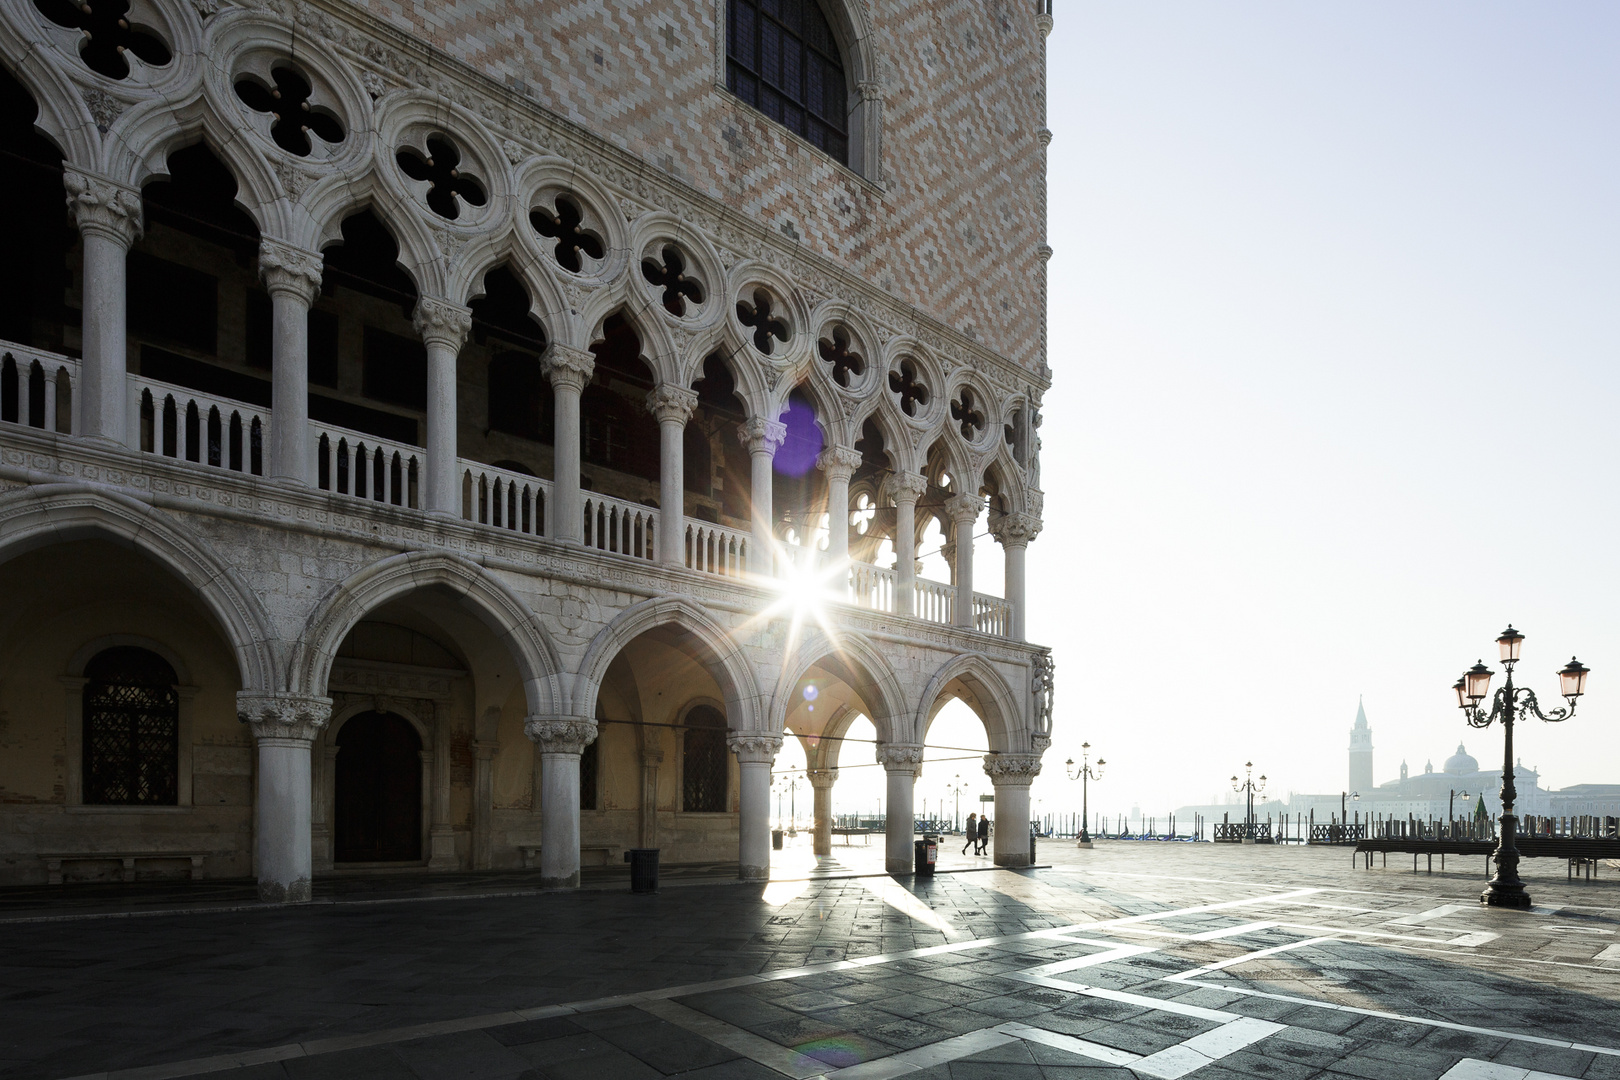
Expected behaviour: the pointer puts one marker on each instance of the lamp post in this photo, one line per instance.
(955, 788)
(1252, 788)
(1344, 814)
(1087, 773)
(1510, 704)
(1451, 805)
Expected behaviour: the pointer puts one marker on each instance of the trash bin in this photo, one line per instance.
(927, 853)
(643, 869)
(776, 839)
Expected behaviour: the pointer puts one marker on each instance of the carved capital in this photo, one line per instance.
(104, 208)
(1015, 530)
(568, 368)
(761, 436)
(1015, 770)
(904, 487)
(755, 748)
(560, 734)
(673, 403)
(900, 757)
(964, 508)
(822, 778)
(289, 270)
(839, 462)
(870, 90)
(442, 323)
(290, 717)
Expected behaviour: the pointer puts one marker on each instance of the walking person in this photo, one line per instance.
(972, 834)
(983, 847)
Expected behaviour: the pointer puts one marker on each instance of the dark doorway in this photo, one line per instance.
(378, 790)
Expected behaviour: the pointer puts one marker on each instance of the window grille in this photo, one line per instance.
(131, 730)
(703, 762)
(782, 58)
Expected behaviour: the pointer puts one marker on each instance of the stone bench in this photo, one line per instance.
(864, 834)
(602, 854)
(54, 860)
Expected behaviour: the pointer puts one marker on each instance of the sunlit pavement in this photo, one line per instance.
(1131, 959)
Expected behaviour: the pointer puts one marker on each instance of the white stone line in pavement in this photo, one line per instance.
(1075, 963)
(1155, 916)
(1475, 1069)
(755, 1048)
(923, 1057)
(1612, 952)
(1245, 958)
(1433, 913)
(1069, 1044)
(1177, 1061)
(1169, 1005)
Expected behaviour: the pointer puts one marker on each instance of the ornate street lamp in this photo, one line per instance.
(1085, 774)
(955, 788)
(1451, 805)
(1253, 787)
(1510, 704)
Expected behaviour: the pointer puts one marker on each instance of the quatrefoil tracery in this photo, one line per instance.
(448, 186)
(288, 102)
(913, 392)
(670, 275)
(970, 419)
(766, 326)
(847, 365)
(565, 225)
(107, 35)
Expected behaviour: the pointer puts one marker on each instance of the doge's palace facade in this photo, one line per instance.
(476, 436)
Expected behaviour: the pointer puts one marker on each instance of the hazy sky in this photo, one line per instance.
(1333, 328)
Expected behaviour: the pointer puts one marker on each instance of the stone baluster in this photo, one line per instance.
(570, 370)
(964, 513)
(561, 739)
(292, 276)
(839, 463)
(756, 753)
(672, 406)
(110, 221)
(821, 782)
(443, 327)
(761, 437)
(285, 727)
(1015, 532)
(1012, 774)
(902, 762)
(905, 489)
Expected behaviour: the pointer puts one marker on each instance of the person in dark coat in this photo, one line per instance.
(983, 847)
(972, 834)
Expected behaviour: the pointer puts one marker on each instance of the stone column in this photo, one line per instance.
(1012, 774)
(905, 489)
(293, 278)
(761, 437)
(902, 761)
(756, 753)
(673, 406)
(822, 781)
(561, 740)
(443, 327)
(839, 463)
(483, 802)
(964, 514)
(284, 727)
(570, 371)
(1014, 532)
(109, 219)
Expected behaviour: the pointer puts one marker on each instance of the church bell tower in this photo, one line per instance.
(1361, 748)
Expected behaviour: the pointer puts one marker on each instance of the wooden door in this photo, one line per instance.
(378, 790)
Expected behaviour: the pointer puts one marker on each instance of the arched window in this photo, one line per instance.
(703, 762)
(782, 58)
(131, 729)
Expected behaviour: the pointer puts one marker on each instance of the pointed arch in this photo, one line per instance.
(861, 666)
(35, 517)
(988, 695)
(490, 600)
(745, 706)
(335, 199)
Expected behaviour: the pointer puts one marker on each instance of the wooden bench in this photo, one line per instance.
(864, 834)
(54, 860)
(602, 853)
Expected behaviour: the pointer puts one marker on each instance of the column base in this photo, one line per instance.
(1083, 844)
(276, 892)
(442, 849)
(1013, 859)
(1506, 895)
(754, 873)
(570, 881)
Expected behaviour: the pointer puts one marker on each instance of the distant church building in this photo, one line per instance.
(1361, 752)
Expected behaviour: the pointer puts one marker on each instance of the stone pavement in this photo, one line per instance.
(1133, 959)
